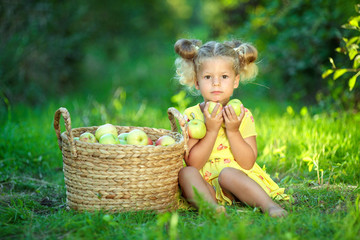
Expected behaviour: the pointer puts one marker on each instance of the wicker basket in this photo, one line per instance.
(118, 177)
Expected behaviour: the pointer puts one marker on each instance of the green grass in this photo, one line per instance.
(32, 191)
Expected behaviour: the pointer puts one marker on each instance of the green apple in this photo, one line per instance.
(87, 137)
(236, 105)
(137, 137)
(212, 105)
(165, 140)
(196, 128)
(123, 136)
(122, 141)
(106, 128)
(108, 138)
(76, 138)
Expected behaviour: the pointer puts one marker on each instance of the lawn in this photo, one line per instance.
(314, 155)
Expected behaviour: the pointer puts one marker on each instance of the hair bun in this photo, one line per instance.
(187, 48)
(247, 53)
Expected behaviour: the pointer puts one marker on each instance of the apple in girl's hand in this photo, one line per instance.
(165, 140)
(106, 128)
(87, 137)
(197, 129)
(150, 142)
(108, 138)
(137, 137)
(212, 105)
(236, 105)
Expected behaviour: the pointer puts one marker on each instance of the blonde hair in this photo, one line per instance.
(192, 53)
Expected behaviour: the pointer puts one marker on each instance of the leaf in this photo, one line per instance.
(348, 26)
(332, 62)
(339, 73)
(352, 81)
(353, 40)
(327, 73)
(354, 21)
(307, 159)
(339, 50)
(352, 53)
(311, 167)
(356, 63)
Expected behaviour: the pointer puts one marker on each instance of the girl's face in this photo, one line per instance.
(216, 79)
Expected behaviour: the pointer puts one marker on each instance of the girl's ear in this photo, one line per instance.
(197, 85)
(237, 80)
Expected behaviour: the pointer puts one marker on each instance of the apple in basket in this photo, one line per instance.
(123, 138)
(197, 129)
(150, 142)
(165, 140)
(137, 137)
(108, 138)
(87, 137)
(104, 129)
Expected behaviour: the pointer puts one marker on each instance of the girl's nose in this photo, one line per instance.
(216, 82)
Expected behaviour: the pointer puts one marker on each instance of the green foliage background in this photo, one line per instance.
(51, 49)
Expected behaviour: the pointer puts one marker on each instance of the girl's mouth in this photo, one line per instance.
(216, 92)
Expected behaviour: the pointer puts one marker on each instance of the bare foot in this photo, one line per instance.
(276, 211)
(220, 209)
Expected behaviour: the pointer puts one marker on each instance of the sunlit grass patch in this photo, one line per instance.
(321, 148)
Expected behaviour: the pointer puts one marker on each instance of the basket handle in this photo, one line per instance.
(66, 115)
(174, 113)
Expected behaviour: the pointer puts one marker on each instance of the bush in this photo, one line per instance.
(295, 40)
(40, 48)
(346, 93)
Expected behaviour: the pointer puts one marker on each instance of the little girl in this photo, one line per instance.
(221, 166)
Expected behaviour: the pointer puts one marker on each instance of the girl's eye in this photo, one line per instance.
(207, 77)
(225, 76)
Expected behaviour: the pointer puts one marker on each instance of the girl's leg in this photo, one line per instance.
(248, 191)
(190, 177)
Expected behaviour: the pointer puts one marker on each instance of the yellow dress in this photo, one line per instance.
(222, 157)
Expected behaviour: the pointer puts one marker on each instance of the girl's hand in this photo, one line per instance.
(213, 121)
(232, 121)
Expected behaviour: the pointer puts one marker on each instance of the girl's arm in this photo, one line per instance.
(200, 150)
(244, 150)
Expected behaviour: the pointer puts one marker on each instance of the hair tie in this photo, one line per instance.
(241, 54)
(239, 50)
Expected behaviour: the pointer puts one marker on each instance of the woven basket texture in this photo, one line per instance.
(120, 178)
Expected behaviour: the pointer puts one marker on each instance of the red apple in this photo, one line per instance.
(87, 137)
(165, 140)
(150, 142)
